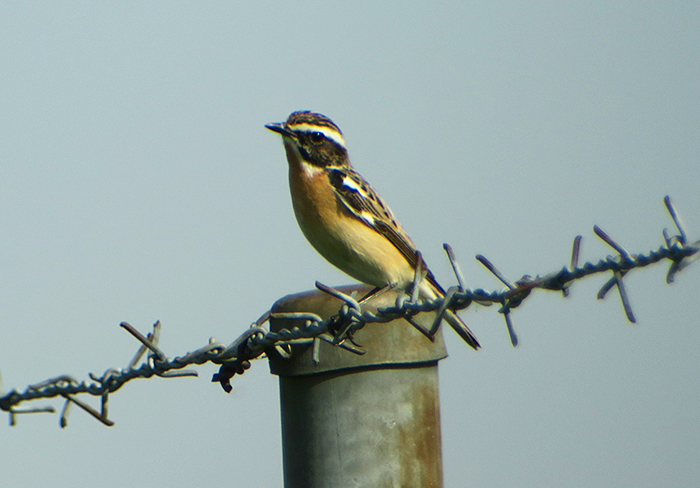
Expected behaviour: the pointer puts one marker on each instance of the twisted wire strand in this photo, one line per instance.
(235, 358)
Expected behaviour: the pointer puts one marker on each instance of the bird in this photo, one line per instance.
(344, 218)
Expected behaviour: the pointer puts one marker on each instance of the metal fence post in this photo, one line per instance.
(369, 420)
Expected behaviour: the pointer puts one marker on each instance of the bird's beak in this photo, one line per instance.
(280, 129)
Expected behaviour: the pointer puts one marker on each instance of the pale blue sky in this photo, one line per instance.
(138, 184)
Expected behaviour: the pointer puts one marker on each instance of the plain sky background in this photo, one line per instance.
(137, 183)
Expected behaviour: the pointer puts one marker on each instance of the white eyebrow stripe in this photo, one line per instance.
(331, 134)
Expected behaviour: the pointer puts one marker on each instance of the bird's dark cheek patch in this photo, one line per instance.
(305, 154)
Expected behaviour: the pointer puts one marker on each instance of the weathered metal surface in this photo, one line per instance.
(360, 421)
(362, 428)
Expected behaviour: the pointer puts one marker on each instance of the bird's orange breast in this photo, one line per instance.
(338, 235)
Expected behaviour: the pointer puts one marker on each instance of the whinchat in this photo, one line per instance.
(344, 218)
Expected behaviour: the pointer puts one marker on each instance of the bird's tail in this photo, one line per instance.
(461, 328)
(429, 291)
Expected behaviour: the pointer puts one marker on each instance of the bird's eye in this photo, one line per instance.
(316, 137)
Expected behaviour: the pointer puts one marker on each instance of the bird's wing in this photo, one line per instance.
(363, 202)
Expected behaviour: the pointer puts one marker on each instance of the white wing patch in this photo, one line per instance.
(369, 218)
(350, 184)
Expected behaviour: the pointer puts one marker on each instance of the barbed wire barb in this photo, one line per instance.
(455, 266)
(683, 236)
(518, 292)
(492, 268)
(446, 302)
(575, 252)
(149, 342)
(511, 328)
(676, 241)
(72, 399)
(616, 280)
(19, 411)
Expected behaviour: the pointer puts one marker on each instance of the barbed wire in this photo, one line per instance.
(235, 358)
